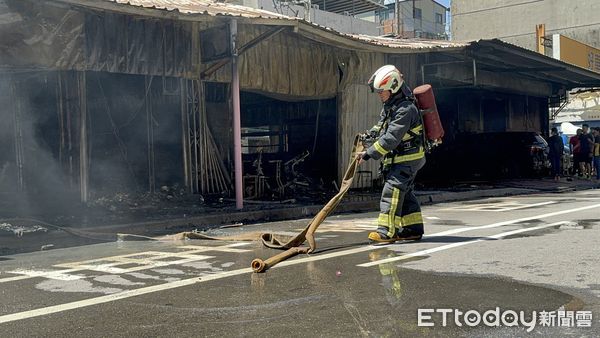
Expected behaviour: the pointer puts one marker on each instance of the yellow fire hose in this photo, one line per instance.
(291, 245)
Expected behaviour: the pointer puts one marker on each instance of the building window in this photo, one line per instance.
(439, 18)
(417, 13)
(384, 15)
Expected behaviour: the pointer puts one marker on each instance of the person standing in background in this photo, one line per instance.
(574, 145)
(586, 145)
(596, 134)
(555, 153)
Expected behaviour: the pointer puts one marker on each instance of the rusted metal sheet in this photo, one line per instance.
(408, 43)
(204, 7)
(199, 9)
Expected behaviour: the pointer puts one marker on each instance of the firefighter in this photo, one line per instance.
(400, 143)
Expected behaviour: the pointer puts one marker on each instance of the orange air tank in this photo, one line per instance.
(434, 131)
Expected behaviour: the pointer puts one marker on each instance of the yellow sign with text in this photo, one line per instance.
(579, 54)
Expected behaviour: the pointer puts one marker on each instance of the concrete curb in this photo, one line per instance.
(448, 196)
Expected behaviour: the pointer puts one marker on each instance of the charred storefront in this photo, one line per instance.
(106, 98)
(494, 100)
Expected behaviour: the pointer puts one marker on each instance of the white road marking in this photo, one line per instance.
(344, 226)
(58, 275)
(528, 206)
(117, 296)
(518, 220)
(224, 274)
(143, 264)
(41, 273)
(140, 261)
(578, 197)
(457, 244)
(497, 207)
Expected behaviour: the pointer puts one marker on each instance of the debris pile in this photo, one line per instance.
(165, 197)
(20, 230)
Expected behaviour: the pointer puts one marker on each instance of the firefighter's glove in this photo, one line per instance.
(362, 156)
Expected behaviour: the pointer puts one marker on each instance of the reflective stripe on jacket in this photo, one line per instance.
(400, 132)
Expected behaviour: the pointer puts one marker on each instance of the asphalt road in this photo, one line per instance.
(533, 256)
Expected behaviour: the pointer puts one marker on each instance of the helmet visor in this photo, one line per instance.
(371, 83)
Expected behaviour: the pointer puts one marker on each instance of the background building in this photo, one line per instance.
(341, 15)
(418, 18)
(515, 21)
(565, 30)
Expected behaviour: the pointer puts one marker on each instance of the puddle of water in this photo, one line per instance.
(344, 300)
(408, 288)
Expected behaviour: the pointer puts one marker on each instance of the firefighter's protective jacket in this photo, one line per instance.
(400, 133)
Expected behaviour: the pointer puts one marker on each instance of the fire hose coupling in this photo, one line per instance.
(367, 139)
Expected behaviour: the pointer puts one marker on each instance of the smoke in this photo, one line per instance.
(128, 116)
(39, 153)
(32, 181)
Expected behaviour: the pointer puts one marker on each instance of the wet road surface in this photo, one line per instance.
(531, 254)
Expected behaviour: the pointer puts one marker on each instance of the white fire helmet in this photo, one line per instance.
(387, 77)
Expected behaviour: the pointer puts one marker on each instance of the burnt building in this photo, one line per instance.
(112, 95)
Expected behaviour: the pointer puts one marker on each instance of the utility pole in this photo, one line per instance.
(414, 20)
(397, 9)
(307, 9)
(237, 130)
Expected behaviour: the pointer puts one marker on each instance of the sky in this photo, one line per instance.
(444, 2)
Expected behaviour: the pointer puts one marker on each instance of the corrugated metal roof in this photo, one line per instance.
(206, 7)
(408, 43)
(215, 9)
(186, 7)
(501, 56)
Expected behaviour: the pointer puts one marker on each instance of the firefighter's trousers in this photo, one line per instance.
(399, 205)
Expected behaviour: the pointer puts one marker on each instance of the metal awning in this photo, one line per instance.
(502, 57)
(351, 7)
